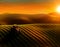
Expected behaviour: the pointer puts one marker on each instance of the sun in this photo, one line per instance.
(58, 9)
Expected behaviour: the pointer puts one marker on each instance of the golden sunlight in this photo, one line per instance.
(58, 9)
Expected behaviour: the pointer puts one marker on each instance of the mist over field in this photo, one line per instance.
(51, 18)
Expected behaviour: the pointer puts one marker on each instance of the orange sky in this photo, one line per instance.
(27, 8)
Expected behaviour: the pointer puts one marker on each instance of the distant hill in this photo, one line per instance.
(29, 19)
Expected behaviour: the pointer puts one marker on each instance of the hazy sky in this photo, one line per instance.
(26, 1)
(28, 6)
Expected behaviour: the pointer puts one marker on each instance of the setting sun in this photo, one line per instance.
(58, 9)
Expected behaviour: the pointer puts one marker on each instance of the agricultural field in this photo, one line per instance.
(30, 35)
